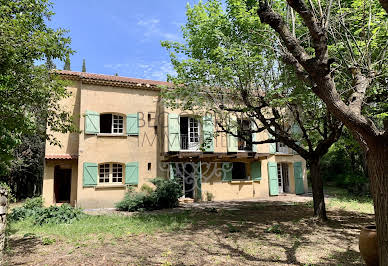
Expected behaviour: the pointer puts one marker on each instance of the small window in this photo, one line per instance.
(110, 173)
(110, 123)
(281, 147)
(239, 171)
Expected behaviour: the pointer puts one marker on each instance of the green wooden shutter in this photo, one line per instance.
(173, 171)
(273, 178)
(254, 137)
(232, 140)
(256, 171)
(173, 132)
(90, 174)
(208, 129)
(92, 122)
(227, 171)
(298, 176)
(133, 124)
(272, 146)
(296, 133)
(198, 195)
(132, 173)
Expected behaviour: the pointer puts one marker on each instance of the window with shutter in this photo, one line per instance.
(227, 169)
(90, 174)
(133, 124)
(256, 171)
(132, 173)
(273, 178)
(298, 176)
(173, 132)
(208, 129)
(92, 122)
(232, 140)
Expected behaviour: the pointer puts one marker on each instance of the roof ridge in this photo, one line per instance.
(111, 78)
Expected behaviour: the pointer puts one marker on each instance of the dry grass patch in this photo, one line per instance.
(251, 233)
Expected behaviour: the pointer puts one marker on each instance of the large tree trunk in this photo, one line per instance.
(377, 158)
(317, 185)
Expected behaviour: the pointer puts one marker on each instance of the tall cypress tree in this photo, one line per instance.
(50, 64)
(83, 66)
(67, 63)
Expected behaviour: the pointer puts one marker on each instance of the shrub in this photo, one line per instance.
(146, 189)
(29, 208)
(32, 203)
(165, 195)
(63, 214)
(132, 201)
(33, 208)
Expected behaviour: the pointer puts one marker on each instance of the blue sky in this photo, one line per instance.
(121, 36)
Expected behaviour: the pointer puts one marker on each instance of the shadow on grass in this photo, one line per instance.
(285, 227)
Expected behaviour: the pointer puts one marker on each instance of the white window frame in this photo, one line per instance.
(117, 120)
(194, 130)
(111, 174)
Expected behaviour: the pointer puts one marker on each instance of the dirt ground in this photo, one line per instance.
(266, 232)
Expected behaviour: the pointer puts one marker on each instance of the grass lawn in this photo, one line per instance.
(249, 233)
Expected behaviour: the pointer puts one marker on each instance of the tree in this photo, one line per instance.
(83, 66)
(344, 62)
(67, 63)
(224, 70)
(24, 87)
(50, 64)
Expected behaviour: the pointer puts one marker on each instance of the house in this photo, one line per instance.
(128, 137)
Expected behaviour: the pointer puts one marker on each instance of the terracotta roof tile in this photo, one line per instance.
(108, 78)
(61, 156)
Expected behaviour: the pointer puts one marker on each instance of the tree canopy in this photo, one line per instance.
(29, 92)
(229, 65)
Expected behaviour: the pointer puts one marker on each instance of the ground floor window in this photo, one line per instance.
(239, 171)
(110, 173)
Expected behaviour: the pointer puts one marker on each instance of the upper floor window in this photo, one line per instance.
(111, 123)
(244, 129)
(189, 133)
(110, 173)
(281, 147)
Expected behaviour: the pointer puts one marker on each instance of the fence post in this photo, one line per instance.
(3, 219)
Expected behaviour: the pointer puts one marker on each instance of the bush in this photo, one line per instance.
(146, 189)
(32, 203)
(29, 208)
(64, 214)
(33, 208)
(166, 195)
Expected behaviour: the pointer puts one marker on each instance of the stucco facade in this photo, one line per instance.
(74, 171)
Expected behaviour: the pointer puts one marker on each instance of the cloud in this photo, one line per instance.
(155, 70)
(151, 28)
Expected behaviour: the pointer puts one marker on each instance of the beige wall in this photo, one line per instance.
(99, 149)
(69, 141)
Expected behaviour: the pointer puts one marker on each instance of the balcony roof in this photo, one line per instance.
(212, 157)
